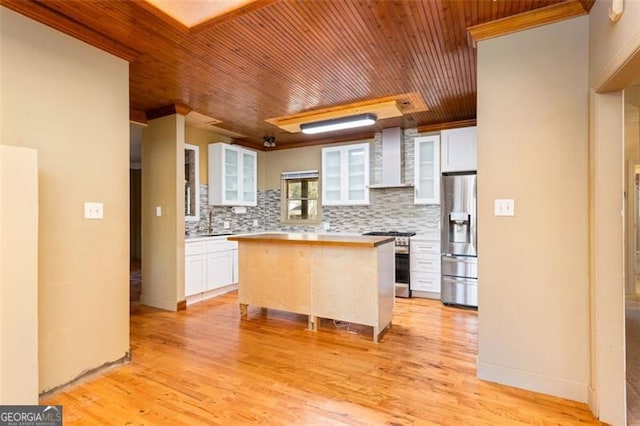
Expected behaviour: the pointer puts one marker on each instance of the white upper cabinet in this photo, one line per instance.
(427, 170)
(232, 175)
(345, 175)
(459, 150)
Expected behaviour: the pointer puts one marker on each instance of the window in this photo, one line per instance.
(300, 197)
(191, 182)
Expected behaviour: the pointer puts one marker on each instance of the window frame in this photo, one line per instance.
(196, 183)
(284, 197)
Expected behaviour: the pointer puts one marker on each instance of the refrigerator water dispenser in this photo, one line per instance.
(459, 227)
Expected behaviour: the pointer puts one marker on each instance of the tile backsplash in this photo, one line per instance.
(390, 209)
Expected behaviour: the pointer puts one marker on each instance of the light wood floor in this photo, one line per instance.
(207, 366)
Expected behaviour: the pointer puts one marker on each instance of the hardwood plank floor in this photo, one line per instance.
(206, 365)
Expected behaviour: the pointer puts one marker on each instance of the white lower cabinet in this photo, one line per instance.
(221, 266)
(195, 268)
(425, 267)
(428, 282)
(220, 263)
(210, 268)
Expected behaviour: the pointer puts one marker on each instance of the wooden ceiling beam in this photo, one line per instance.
(42, 13)
(177, 108)
(444, 126)
(138, 117)
(527, 20)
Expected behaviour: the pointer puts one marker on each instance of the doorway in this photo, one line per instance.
(135, 216)
(632, 250)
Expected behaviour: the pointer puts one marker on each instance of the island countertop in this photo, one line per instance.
(315, 239)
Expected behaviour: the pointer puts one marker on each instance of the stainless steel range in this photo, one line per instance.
(402, 259)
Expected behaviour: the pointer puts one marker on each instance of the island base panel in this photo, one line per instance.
(341, 282)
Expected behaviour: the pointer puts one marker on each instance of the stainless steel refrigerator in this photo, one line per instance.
(459, 285)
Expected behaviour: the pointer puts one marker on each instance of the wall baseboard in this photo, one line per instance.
(593, 399)
(199, 297)
(536, 382)
(167, 305)
(88, 374)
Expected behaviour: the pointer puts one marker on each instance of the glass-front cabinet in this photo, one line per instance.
(249, 169)
(232, 175)
(345, 175)
(331, 169)
(427, 170)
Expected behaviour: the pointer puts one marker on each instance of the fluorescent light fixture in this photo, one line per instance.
(341, 123)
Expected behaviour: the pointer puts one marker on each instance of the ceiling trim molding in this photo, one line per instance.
(527, 20)
(177, 108)
(40, 12)
(587, 4)
(231, 15)
(444, 126)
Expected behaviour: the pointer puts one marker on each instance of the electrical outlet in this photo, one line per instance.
(225, 225)
(93, 210)
(255, 222)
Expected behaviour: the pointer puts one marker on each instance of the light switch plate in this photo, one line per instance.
(93, 210)
(158, 211)
(504, 207)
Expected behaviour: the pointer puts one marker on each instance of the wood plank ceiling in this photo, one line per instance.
(275, 58)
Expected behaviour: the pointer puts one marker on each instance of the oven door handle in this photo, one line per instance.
(401, 250)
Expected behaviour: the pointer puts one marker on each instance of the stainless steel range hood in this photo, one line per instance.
(392, 170)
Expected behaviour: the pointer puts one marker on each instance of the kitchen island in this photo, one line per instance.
(344, 278)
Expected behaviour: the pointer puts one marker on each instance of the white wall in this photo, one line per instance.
(70, 102)
(18, 276)
(533, 267)
(614, 55)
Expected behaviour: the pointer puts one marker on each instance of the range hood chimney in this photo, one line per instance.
(391, 159)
